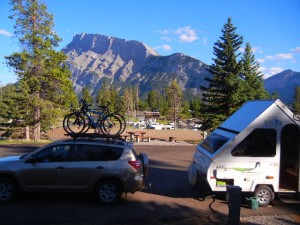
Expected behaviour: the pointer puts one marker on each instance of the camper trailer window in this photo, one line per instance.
(213, 142)
(259, 143)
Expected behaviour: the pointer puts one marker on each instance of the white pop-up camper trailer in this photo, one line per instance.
(257, 148)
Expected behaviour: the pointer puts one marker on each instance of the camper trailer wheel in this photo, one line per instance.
(264, 195)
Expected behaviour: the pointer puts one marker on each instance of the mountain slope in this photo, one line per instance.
(94, 59)
(283, 83)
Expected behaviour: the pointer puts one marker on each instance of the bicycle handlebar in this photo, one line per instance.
(85, 105)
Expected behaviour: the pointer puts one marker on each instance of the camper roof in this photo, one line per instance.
(245, 115)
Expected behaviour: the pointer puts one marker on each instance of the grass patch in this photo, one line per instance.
(194, 142)
(22, 141)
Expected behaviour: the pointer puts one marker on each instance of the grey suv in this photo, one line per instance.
(105, 168)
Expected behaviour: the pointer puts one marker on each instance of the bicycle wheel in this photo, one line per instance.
(87, 124)
(75, 123)
(65, 125)
(123, 122)
(111, 125)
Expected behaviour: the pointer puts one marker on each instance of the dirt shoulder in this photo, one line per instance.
(178, 135)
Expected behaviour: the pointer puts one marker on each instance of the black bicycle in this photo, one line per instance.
(101, 120)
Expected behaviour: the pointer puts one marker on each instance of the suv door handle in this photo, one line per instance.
(60, 168)
(99, 167)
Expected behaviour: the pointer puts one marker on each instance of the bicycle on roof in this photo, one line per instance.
(100, 119)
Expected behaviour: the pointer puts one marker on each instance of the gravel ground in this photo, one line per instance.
(158, 142)
(268, 220)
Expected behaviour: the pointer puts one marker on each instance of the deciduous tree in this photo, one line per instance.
(174, 99)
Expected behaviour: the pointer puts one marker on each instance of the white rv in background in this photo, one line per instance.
(257, 148)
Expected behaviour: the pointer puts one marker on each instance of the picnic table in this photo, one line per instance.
(137, 136)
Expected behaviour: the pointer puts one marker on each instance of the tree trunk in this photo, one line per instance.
(27, 137)
(37, 124)
(37, 119)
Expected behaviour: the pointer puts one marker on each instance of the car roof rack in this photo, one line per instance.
(96, 136)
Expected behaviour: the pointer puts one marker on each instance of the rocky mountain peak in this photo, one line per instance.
(95, 58)
(101, 44)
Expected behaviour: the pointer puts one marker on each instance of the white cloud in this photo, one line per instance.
(5, 33)
(182, 34)
(261, 60)
(257, 50)
(186, 34)
(164, 47)
(268, 72)
(297, 50)
(280, 56)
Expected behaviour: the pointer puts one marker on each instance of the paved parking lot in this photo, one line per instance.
(169, 200)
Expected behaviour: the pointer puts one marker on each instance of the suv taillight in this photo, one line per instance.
(136, 164)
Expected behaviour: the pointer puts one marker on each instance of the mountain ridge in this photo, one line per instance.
(95, 58)
(283, 83)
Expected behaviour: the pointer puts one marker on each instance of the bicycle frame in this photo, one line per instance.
(95, 123)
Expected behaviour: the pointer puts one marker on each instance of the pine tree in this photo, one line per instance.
(195, 106)
(114, 99)
(223, 95)
(12, 103)
(253, 85)
(186, 113)
(110, 96)
(42, 75)
(152, 100)
(163, 106)
(103, 97)
(86, 95)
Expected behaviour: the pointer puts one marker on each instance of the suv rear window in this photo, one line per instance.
(86, 152)
(213, 142)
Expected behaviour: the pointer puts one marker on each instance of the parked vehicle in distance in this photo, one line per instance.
(106, 168)
(256, 148)
(155, 126)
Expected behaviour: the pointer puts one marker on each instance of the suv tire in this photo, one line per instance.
(108, 191)
(8, 190)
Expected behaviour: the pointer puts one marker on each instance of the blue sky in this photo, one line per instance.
(169, 26)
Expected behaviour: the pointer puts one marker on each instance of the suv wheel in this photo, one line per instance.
(108, 191)
(8, 190)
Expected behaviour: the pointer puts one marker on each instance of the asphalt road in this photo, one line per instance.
(169, 200)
